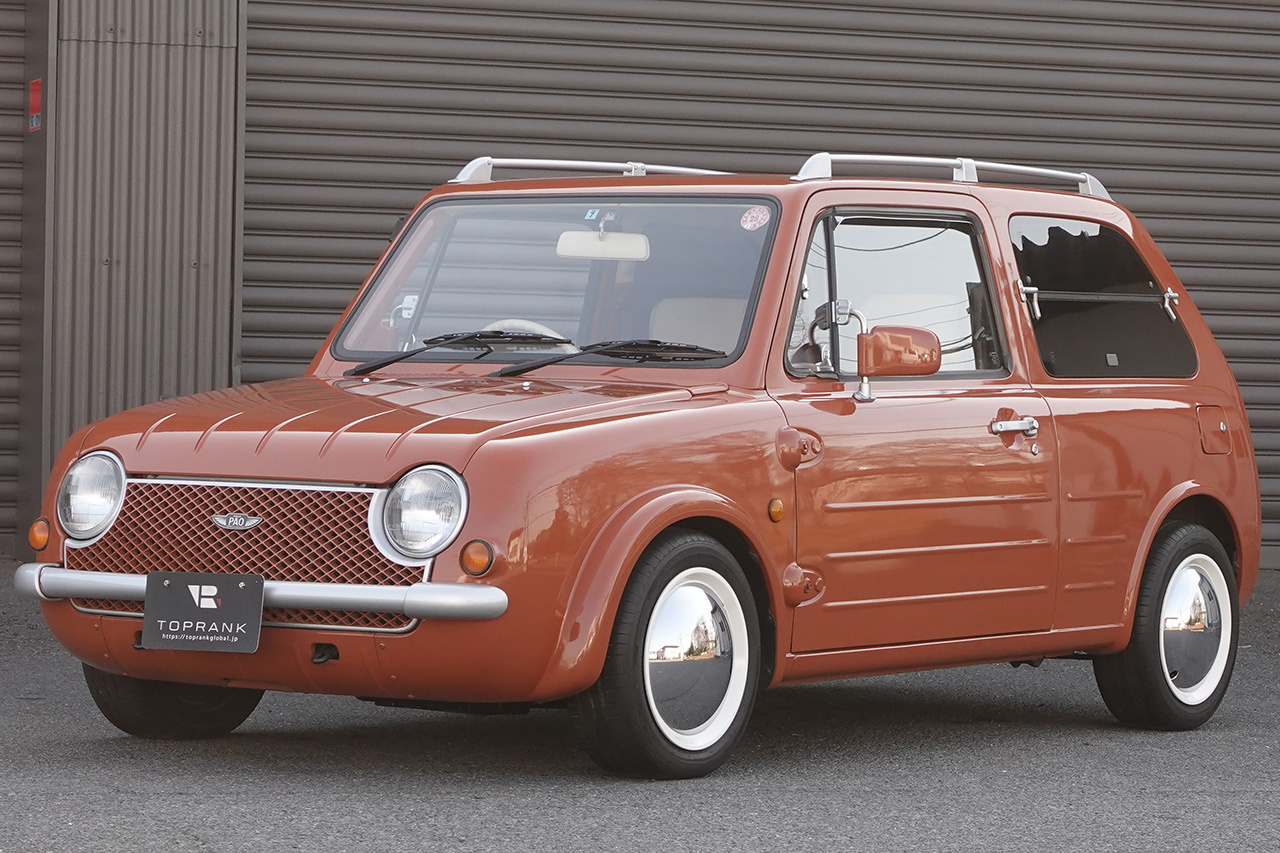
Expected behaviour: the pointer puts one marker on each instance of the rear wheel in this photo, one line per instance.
(683, 664)
(166, 710)
(1176, 668)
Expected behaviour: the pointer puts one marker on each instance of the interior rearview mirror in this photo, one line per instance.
(602, 246)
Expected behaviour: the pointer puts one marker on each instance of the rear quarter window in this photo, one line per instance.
(1101, 312)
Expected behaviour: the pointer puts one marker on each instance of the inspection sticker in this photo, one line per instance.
(755, 218)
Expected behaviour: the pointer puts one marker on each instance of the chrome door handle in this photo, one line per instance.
(1027, 426)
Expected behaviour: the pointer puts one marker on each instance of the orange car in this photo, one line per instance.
(644, 445)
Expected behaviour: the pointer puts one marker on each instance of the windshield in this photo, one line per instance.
(566, 273)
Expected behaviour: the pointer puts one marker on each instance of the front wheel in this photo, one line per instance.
(682, 668)
(165, 710)
(1175, 670)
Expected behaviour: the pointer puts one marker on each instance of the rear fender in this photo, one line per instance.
(1248, 557)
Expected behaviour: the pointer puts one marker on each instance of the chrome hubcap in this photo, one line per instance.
(695, 668)
(1195, 629)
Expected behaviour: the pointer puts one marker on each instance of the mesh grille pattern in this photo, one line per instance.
(305, 535)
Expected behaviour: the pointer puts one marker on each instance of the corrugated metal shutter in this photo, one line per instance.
(353, 111)
(13, 125)
(144, 174)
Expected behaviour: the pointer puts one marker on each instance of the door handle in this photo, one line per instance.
(1027, 426)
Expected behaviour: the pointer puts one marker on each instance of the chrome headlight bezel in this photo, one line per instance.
(383, 505)
(78, 538)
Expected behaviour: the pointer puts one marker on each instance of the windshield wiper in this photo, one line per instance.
(640, 349)
(479, 339)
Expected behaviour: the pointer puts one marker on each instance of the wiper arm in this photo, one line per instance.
(640, 349)
(481, 338)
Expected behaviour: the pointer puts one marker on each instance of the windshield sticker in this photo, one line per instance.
(592, 213)
(755, 218)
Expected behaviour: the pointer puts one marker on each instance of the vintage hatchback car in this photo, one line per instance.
(644, 445)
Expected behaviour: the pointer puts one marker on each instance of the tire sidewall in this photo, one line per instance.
(1175, 545)
(654, 572)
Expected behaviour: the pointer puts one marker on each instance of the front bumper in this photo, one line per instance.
(427, 600)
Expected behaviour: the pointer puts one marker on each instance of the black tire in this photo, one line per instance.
(164, 710)
(618, 718)
(1143, 685)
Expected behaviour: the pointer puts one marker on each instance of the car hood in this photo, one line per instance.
(355, 430)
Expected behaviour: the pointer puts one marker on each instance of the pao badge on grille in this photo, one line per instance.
(236, 521)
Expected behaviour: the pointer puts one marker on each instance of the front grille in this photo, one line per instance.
(312, 535)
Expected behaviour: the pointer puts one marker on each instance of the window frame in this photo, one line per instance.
(1034, 351)
(906, 215)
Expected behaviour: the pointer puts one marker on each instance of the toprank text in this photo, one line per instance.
(187, 626)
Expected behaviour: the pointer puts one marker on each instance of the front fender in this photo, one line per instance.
(592, 603)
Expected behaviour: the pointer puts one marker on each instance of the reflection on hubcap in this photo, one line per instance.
(1195, 629)
(695, 666)
(689, 656)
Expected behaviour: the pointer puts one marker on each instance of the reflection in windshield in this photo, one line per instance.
(667, 270)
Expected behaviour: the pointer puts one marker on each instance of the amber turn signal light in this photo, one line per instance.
(38, 535)
(477, 557)
(777, 510)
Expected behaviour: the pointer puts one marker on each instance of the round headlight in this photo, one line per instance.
(424, 511)
(90, 495)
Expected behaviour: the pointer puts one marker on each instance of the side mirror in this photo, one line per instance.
(895, 351)
(898, 351)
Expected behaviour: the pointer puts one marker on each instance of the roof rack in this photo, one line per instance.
(964, 170)
(480, 170)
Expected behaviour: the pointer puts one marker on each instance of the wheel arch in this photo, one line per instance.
(609, 561)
(1191, 503)
(1211, 514)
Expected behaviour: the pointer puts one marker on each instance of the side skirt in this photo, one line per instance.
(882, 660)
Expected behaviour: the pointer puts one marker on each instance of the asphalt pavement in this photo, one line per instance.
(987, 758)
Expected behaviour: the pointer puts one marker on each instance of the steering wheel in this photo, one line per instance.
(519, 324)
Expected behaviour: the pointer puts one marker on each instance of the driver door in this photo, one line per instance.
(923, 523)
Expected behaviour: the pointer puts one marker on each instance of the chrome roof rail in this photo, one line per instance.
(480, 170)
(963, 170)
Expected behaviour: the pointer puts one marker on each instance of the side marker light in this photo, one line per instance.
(777, 510)
(38, 535)
(477, 557)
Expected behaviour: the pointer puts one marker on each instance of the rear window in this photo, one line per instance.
(1096, 308)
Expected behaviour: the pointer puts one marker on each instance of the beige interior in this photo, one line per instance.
(714, 323)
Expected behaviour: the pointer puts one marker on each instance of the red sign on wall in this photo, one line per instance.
(34, 106)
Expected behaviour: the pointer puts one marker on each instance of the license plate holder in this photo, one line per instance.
(202, 611)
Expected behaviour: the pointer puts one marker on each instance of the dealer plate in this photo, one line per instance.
(202, 611)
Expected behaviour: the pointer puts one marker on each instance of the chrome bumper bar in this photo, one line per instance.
(48, 581)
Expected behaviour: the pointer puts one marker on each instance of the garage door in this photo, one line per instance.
(13, 125)
(354, 111)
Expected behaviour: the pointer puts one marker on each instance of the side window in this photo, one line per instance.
(1096, 308)
(916, 271)
(809, 348)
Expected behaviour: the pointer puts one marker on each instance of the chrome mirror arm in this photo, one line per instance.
(863, 394)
